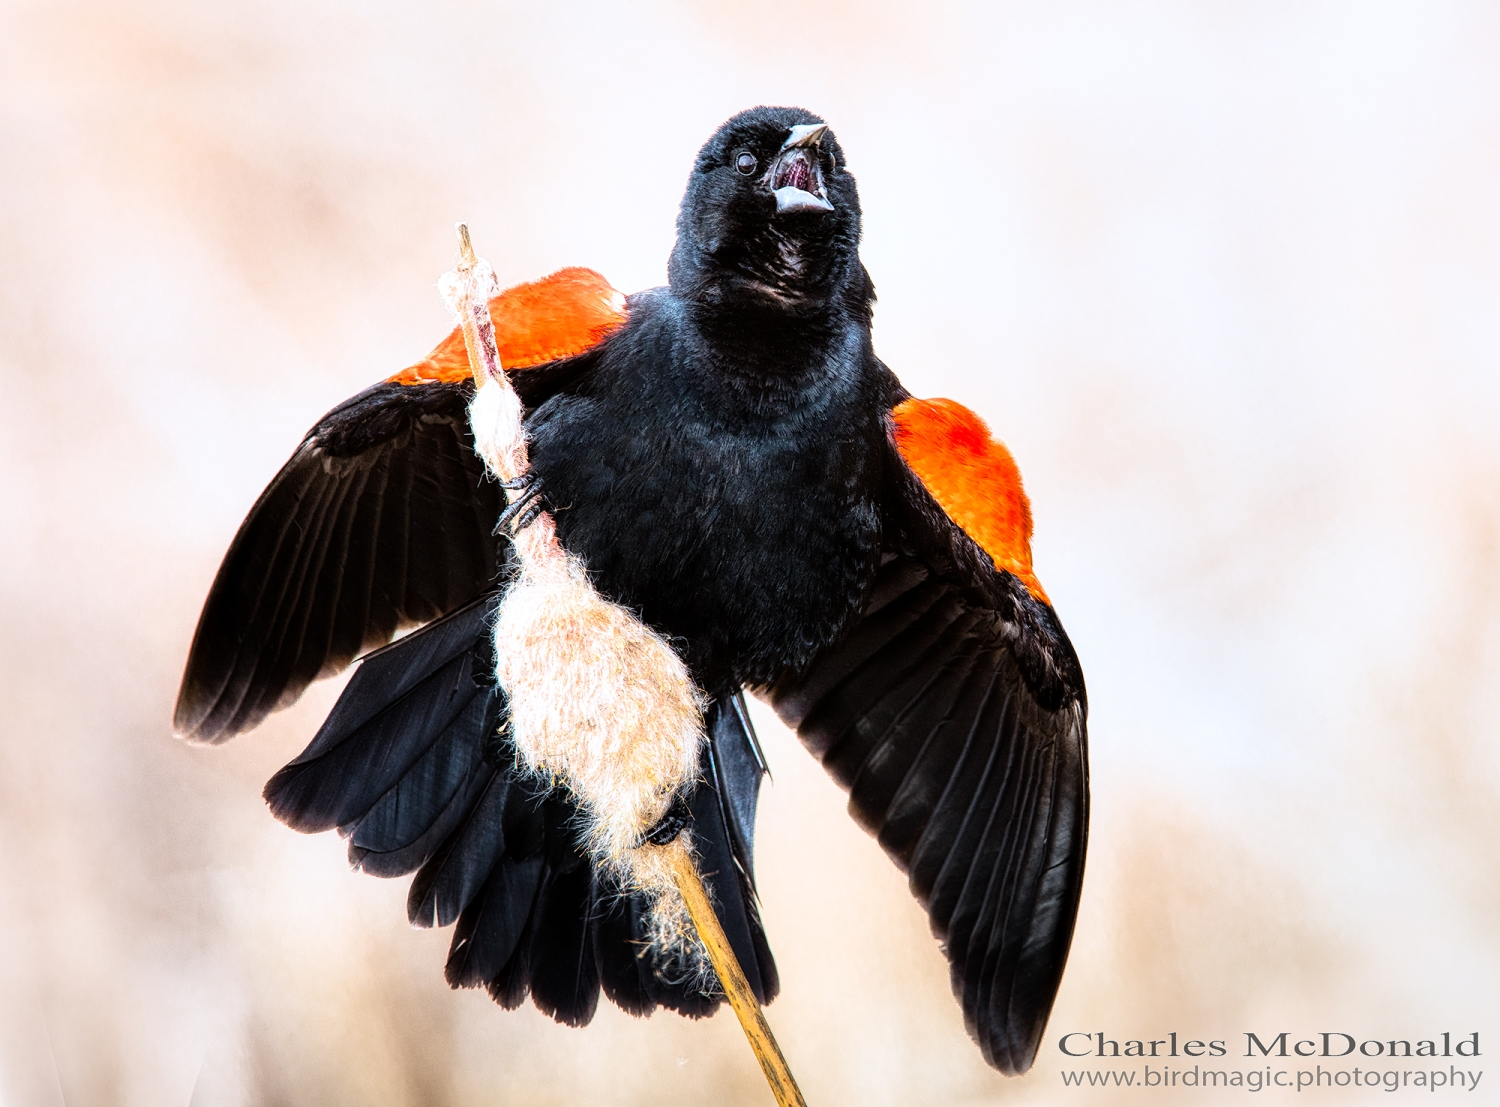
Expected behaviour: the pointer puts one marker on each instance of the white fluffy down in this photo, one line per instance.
(495, 418)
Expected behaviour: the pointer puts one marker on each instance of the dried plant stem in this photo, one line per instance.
(469, 294)
(736, 988)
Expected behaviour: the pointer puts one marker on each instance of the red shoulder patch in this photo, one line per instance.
(973, 478)
(537, 322)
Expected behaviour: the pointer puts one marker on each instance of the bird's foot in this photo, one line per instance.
(524, 509)
(669, 825)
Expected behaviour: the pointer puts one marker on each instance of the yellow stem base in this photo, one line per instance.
(732, 977)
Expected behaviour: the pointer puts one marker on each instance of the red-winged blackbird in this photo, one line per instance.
(731, 461)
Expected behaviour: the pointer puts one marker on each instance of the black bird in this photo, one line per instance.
(731, 461)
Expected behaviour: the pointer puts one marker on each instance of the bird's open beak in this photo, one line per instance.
(795, 178)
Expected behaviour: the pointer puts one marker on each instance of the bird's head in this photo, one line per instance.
(770, 216)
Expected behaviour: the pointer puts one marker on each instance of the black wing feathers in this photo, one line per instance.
(390, 715)
(453, 876)
(966, 759)
(738, 768)
(413, 768)
(623, 973)
(491, 928)
(380, 520)
(563, 966)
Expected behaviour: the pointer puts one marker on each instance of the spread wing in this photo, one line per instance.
(381, 520)
(954, 713)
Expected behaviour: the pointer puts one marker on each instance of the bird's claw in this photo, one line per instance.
(669, 825)
(524, 509)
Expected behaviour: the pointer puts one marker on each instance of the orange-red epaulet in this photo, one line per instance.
(973, 478)
(556, 317)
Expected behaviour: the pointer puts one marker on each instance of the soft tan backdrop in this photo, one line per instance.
(1225, 276)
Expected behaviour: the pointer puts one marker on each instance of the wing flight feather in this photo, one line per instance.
(953, 712)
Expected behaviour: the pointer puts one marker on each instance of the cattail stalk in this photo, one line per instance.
(625, 775)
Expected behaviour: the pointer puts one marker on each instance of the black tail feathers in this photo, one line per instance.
(413, 767)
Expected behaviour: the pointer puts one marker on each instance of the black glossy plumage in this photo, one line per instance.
(976, 791)
(381, 520)
(725, 464)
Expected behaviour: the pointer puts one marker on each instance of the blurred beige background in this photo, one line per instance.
(1225, 276)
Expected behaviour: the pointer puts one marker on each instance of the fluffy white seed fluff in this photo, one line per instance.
(599, 702)
(495, 418)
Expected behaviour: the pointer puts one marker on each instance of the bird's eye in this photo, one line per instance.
(746, 162)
